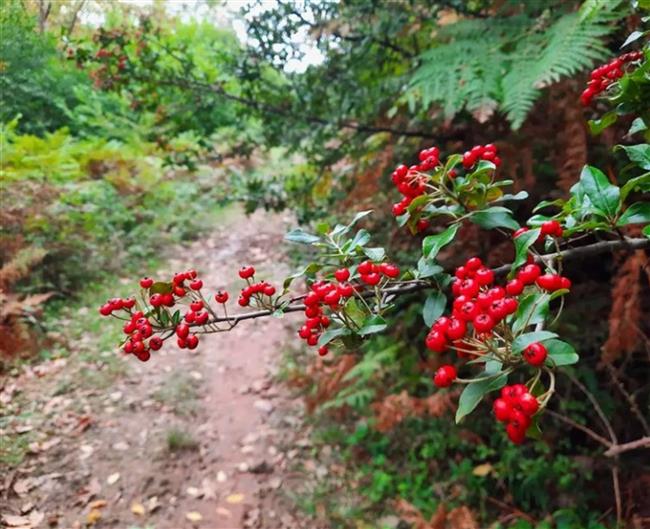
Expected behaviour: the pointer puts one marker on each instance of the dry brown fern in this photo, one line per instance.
(626, 314)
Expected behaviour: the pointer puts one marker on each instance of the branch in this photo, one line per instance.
(289, 112)
(408, 287)
(614, 450)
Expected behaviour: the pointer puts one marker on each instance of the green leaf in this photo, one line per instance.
(633, 37)
(639, 154)
(638, 125)
(160, 287)
(428, 268)
(433, 308)
(374, 254)
(603, 194)
(360, 239)
(637, 213)
(532, 309)
(646, 231)
(522, 243)
(372, 325)
(596, 126)
(522, 195)
(640, 182)
(474, 393)
(300, 236)
(432, 244)
(359, 216)
(311, 268)
(524, 340)
(560, 353)
(495, 217)
(176, 318)
(331, 334)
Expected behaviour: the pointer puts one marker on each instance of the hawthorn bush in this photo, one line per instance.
(496, 335)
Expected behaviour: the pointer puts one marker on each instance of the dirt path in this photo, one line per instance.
(198, 439)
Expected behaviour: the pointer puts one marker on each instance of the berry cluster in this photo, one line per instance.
(515, 408)
(252, 290)
(481, 152)
(476, 303)
(331, 296)
(410, 181)
(603, 76)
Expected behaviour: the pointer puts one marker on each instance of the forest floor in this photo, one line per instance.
(203, 439)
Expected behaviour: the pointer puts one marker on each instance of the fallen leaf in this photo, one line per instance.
(208, 489)
(93, 516)
(153, 504)
(193, 492)
(235, 498)
(113, 478)
(15, 521)
(137, 508)
(23, 486)
(482, 470)
(35, 518)
(98, 504)
(193, 516)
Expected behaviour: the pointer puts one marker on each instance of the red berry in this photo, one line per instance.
(441, 324)
(179, 291)
(346, 290)
(246, 271)
(483, 323)
(514, 287)
(197, 305)
(332, 298)
(484, 276)
(312, 312)
(371, 279)
(243, 301)
(473, 264)
(469, 288)
(181, 342)
(192, 341)
(221, 296)
(456, 329)
(106, 309)
(311, 299)
(155, 343)
(312, 340)
(535, 354)
(269, 290)
(528, 404)
(342, 274)
(444, 376)
(197, 284)
(156, 300)
(190, 317)
(436, 341)
(461, 272)
(325, 321)
(323, 350)
(202, 317)
(549, 282)
(565, 283)
(469, 310)
(497, 309)
(143, 356)
(304, 332)
(551, 227)
(510, 305)
(529, 273)
(128, 303)
(389, 270)
(422, 225)
(515, 433)
(179, 278)
(128, 347)
(182, 330)
(501, 410)
(146, 282)
(365, 268)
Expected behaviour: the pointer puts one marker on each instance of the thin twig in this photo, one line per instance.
(643, 442)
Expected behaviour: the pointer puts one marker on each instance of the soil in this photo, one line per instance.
(203, 439)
